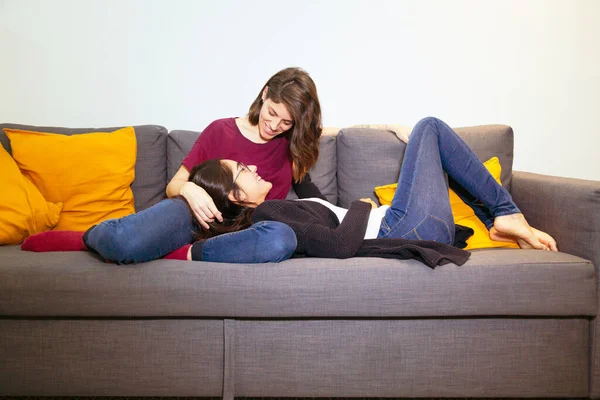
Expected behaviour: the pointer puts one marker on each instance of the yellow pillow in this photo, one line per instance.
(23, 209)
(89, 173)
(463, 214)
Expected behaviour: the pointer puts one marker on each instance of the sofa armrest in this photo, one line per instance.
(566, 208)
(569, 210)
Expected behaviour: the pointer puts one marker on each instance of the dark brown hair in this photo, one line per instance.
(217, 179)
(296, 90)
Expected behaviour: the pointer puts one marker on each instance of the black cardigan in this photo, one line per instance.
(320, 234)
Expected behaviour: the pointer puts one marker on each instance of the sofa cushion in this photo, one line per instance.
(323, 174)
(498, 282)
(372, 157)
(150, 168)
(179, 144)
(90, 174)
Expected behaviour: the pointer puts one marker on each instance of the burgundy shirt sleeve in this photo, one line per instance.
(199, 152)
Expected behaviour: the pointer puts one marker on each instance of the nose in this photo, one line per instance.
(274, 124)
(252, 168)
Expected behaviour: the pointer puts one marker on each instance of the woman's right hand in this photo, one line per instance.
(201, 203)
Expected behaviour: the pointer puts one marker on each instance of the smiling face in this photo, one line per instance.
(274, 118)
(253, 189)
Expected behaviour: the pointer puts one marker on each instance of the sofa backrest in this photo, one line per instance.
(367, 158)
(351, 162)
(323, 174)
(150, 169)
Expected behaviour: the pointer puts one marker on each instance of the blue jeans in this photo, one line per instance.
(168, 225)
(420, 208)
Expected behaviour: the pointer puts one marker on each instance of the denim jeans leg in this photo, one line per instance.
(420, 209)
(478, 207)
(467, 174)
(147, 235)
(463, 166)
(265, 241)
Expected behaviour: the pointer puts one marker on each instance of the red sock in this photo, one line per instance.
(55, 241)
(179, 254)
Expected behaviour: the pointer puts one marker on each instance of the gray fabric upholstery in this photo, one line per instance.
(497, 282)
(366, 158)
(412, 358)
(111, 357)
(323, 174)
(150, 168)
(371, 157)
(568, 209)
(179, 144)
(488, 141)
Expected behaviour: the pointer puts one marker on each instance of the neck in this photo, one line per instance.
(249, 131)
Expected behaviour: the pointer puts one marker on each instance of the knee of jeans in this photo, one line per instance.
(419, 128)
(115, 244)
(428, 120)
(284, 241)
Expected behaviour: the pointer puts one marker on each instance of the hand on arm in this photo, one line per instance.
(200, 202)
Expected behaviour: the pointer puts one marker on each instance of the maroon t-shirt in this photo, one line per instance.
(223, 139)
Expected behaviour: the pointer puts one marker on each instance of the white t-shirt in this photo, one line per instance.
(375, 216)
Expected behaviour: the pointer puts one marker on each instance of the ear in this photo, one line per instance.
(234, 200)
(264, 93)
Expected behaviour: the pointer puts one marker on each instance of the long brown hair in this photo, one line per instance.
(217, 179)
(296, 90)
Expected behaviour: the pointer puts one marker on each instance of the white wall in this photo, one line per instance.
(534, 65)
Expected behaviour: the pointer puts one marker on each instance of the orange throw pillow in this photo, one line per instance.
(23, 209)
(89, 173)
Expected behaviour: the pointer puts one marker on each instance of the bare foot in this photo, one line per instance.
(499, 237)
(516, 227)
(545, 239)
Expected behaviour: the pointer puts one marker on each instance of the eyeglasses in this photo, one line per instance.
(241, 167)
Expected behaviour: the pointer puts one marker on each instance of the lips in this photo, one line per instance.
(268, 131)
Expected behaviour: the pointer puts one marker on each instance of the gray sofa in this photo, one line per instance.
(508, 323)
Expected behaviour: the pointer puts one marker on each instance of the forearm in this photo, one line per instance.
(343, 241)
(174, 187)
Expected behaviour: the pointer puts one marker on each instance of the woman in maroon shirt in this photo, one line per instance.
(280, 134)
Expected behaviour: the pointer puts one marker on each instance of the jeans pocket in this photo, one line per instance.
(384, 229)
(431, 228)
